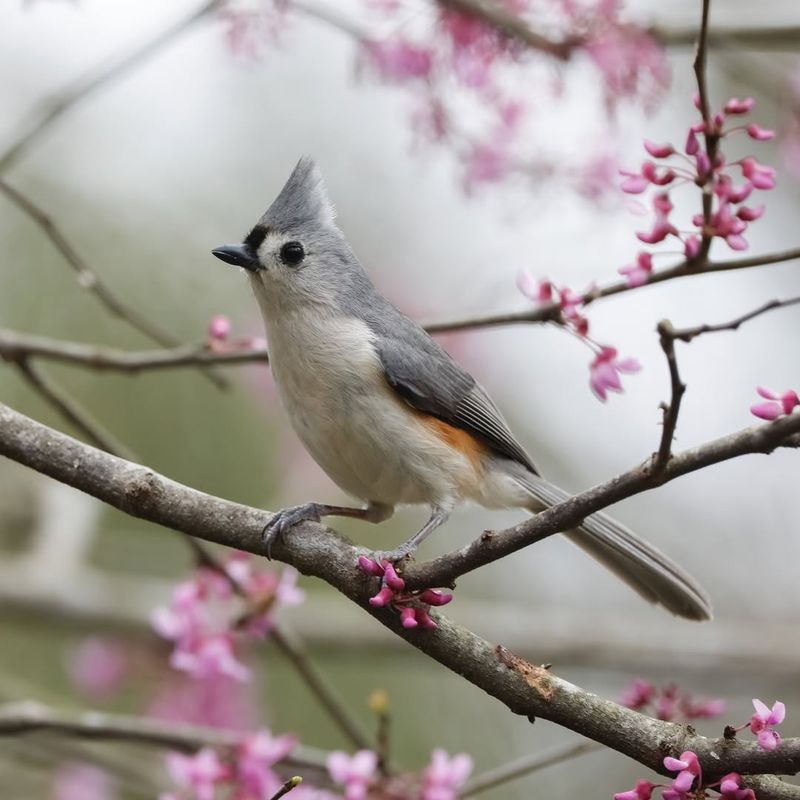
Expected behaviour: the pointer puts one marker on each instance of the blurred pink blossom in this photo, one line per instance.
(77, 780)
(99, 666)
(355, 773)
(669, 702)
(443, 777)
(219, 328)
(207, 618)
(200, 772)
(637, 274)
(399, 60)
(604, 372)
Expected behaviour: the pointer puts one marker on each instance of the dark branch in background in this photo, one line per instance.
(671, 409)
(525, 766)
(320, 688)
(687, 334)
(15, 346)
(71, 411)
(667, 336)
(29, 717)
(87, 277)
(314, 549)
(68, 98)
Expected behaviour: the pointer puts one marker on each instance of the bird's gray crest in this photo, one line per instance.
(303, 199)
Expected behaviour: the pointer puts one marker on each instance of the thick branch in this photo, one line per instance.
(313, 549)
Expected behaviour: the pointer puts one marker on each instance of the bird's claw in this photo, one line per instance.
(282, 521)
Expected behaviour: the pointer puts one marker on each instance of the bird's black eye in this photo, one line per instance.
(292, 253)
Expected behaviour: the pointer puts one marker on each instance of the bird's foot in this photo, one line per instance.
(282, 521)
(394, 556)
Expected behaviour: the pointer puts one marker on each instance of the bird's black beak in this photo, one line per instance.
(237, 254)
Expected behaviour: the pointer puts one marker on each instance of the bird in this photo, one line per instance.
(386, 412)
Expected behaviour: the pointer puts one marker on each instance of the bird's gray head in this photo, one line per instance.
(295, 255)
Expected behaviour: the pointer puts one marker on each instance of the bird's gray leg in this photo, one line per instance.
(439, 515)
(285, 519)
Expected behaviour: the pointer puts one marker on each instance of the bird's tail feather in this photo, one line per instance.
(650, 573)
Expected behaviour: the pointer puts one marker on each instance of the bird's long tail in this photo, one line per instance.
(650, 573)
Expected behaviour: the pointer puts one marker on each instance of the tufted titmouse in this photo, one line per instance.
(386, 412)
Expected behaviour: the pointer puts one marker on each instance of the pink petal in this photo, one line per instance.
(750, 214)
(767, 394)
(762, 712)
(658, 150)
(789, 400)
(768, 739)
(736, 242)
(369, 566)
(674, 765)
(778, 713)
(408, 617)
(759, 134)
(767, 411)
(736, 106)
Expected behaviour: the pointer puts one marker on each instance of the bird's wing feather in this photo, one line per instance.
(428, 379)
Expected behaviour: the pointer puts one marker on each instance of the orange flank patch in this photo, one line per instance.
(459, 439)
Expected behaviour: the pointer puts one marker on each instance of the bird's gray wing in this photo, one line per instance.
(428, 379)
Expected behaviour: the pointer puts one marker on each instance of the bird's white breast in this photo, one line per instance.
(368, 440)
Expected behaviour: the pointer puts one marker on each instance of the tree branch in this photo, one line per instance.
(28, 716)
(54, 108)
(677, 389)
(316, 550)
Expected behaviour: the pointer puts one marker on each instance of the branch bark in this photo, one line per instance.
(314, 549)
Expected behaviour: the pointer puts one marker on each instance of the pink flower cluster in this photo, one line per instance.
(729, 217)
(776, 405)
(211, 613)
(669, 702)
(606, 368)
(248, 774)
(455, 59)
(689, 771)
(440, 780)
(413, 606)
(218, 338)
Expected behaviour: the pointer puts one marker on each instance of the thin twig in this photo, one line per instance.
(677, 389)
(287, 787)
(54, 108)
(687, 334)
(320, 688)
(14, 345)
(526, 765)
(28, 716)
(71, 411)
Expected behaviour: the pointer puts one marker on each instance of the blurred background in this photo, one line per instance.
(183, 152)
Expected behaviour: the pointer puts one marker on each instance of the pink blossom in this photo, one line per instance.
(256, 755)
(206, 619)
(80, 781)
(764, 719)
(219, 328)
(536, 291)
(691, 247)
(638, 273)
(777, 405)
(658, 150)
(99, 666)
(604, 372)
(662, 227)
(354, 772)
(637, 694)
(758, 133)
(736, 106)
(442, 778)
(200, 772)
(750, 214)
(761, 176)
(688, 769)
(399, 60)
(393, 594)
(634, 182)
(642, 791)
(730, 788)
